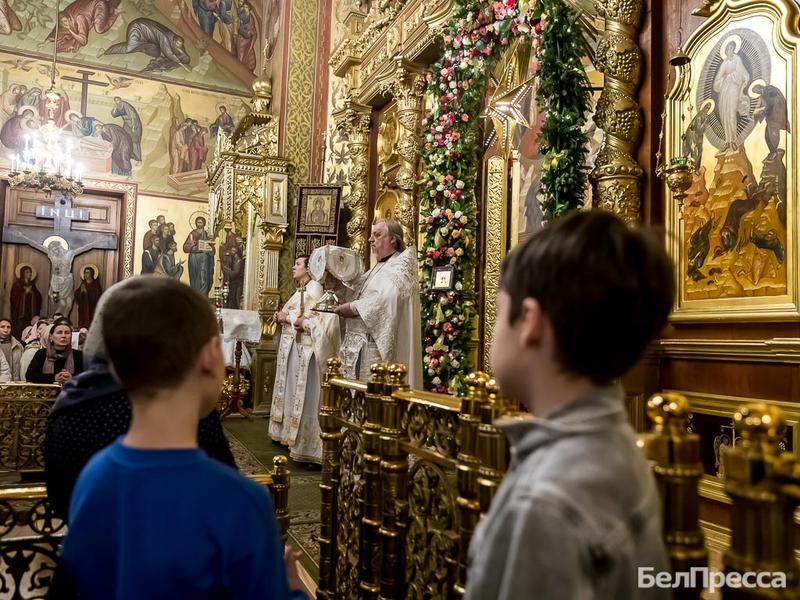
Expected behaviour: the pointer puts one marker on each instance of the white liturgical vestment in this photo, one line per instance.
(387, 326)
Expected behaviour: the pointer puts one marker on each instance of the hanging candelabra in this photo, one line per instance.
(46, 163)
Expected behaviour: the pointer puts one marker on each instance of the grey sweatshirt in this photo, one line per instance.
(577, 513)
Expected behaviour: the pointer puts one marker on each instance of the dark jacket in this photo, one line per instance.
(34, 373)
(90, 413)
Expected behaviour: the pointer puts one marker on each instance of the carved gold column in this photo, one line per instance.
(616, 175)
(408, 90)
(353, 121)
(249, 190)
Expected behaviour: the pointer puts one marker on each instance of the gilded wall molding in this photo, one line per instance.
(496, 243)
(129, 191)
(617, 174)
(775, 350)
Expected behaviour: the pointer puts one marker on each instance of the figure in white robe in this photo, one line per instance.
(307, 341)
(730, 83)
(383, 312)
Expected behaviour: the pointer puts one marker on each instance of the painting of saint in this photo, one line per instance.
(130, 123)
(9, 21)
(201, 257)
(232, 266)
(734, 242)
(26, 299)
(208, 12)
(9, 101)
(87, 295)
(246, 35)
(318, 211)
(730, 84)
(122, 148)
(150, 234)
(78, 19)
(12, 133)
(54, 107)
(223, 123)
(167, 266)
(188, 150)
(164, 46)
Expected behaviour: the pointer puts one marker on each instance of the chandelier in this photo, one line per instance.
(45, 163)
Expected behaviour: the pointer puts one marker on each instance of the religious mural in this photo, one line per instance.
(736, 226)
(163, 225)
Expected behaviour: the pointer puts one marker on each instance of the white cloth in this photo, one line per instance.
(387, 328)
(294, 415)
(239, 325)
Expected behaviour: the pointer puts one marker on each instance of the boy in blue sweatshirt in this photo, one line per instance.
(151, 515)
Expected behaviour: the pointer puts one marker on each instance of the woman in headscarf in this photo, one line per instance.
(95, 405)
(34, 344)
(57, 363)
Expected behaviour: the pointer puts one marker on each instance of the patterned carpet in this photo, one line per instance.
(254, 451)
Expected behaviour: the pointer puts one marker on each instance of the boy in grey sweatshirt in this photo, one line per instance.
(578, 514)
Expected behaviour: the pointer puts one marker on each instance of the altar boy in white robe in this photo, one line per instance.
(308, 340)
(383, 312)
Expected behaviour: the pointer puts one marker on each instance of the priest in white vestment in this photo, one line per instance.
(383, 312)
(308, 340)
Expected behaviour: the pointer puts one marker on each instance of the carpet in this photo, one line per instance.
(254, 450)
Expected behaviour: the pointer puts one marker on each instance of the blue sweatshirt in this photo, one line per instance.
(171, 524)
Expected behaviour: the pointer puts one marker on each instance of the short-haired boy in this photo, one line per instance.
(577, 514)
(151, 515)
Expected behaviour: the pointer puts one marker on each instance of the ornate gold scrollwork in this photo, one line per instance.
(350, 501)
(616, 175)
(353, 121)
(23, 420)
(431, 541)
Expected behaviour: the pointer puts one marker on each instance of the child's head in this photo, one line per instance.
(161, 334)
(585, 295)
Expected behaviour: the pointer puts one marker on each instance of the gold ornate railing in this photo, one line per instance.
(405, 477)
(23, 420)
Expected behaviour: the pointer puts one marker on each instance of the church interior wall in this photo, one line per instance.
(718, 362)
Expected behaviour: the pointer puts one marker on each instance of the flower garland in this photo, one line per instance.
(473, 41)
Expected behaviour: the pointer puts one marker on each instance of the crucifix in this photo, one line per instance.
(85, 81)
(61, 244)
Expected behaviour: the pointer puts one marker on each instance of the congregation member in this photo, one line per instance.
(151, 515)
(42, 328)
(308, 339)
(58, 362)
(94, 404)
(31, 332)
(577, 513)
(382, 312)
(11, 348)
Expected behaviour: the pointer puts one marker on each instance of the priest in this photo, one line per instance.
(383, 312)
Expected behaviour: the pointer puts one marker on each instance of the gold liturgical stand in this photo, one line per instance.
(248, 197)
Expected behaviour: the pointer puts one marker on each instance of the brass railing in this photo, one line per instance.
(405, 477)
(23, 420)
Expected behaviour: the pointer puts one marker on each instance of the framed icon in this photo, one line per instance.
(443, 278)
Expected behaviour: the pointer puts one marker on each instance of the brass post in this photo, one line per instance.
(492, 447)
(675, 455)
(280, 487)
(331, 434)
(762, 484)
(370, 547)
(394, 479)
(467, 470)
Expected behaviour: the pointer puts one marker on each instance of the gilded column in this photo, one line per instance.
(353, 121)
(408, 91)
(272, 236)
(617, 175)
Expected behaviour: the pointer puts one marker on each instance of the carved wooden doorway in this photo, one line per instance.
(105, 212)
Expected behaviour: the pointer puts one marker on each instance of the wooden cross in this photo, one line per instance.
(85, 82)
(62, 214)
